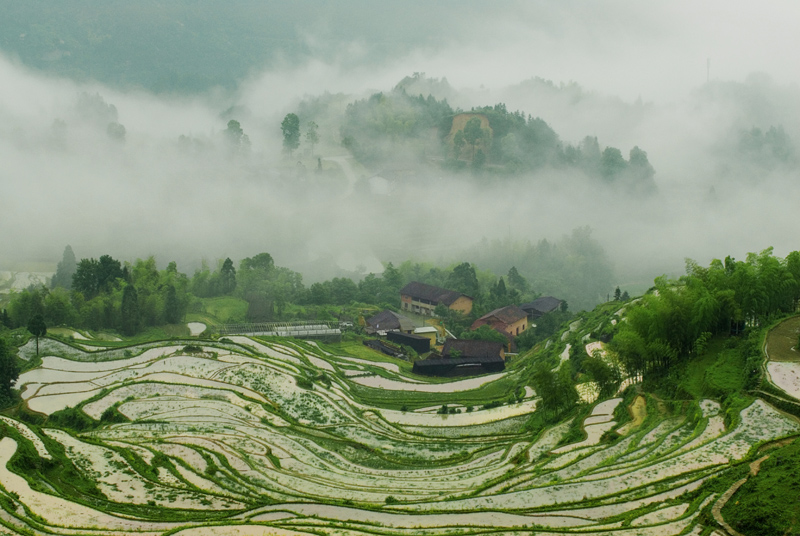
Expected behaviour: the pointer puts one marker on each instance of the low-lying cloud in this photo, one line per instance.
(173, 188)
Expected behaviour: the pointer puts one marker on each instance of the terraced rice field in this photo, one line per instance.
(225, 441)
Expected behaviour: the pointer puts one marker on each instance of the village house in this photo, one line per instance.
(511, 321)
(422, 299)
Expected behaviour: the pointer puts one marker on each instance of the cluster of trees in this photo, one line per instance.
(763, 150)
(675, 321)
(575, 268)
(290, 127)
(391, 124)
(104, 294)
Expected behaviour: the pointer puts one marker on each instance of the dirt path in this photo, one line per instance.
(716, 510)
(344, 163)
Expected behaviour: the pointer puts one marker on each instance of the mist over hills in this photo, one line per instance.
(723, 152)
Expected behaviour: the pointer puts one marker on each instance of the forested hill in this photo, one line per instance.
(398, 128)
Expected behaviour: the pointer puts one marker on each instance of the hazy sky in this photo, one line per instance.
(150, 196)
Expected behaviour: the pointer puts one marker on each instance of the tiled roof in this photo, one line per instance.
(431, 293)
(472, 348)
(507, 315)
(387, 320)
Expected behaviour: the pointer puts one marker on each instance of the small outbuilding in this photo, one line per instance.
(541, 306)
(418, 343)
(461, 357)
(386, 321)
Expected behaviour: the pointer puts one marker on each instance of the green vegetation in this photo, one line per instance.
(232, 426)
(674, 324)
(9, 372)
(396, 124)
(768, 503)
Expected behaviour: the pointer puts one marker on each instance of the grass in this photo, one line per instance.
(224, 309)
(715, 374)
(768, 503)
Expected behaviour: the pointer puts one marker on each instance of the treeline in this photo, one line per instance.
(675, 321)
(574, 268)
(102, 294)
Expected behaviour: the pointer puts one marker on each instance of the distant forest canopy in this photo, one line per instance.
(183, 46)
(396, 126)
(105, 293)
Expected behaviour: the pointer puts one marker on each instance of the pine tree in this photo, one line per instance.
(65, 270)
(130, 310)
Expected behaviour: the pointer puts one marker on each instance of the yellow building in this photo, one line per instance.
(422, 299)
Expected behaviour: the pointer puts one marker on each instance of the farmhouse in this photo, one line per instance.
(510, 321)
(388, 320)
(422, 299)
(464, 357)
(541, 306)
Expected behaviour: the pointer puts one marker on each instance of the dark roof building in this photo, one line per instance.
(541, 306)
(419, 344)
(458, 366)
(388, 320)
(437, 295)
(507, 315)
(473, 348)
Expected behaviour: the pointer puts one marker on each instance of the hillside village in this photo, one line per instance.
(430, 339)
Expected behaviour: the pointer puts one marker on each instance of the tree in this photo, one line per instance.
(261, 262)
(116, 131)
(130, 310)
(516, 281)
(9, 371)
(485, 333)
(234, 132)
(607, 377)
(38, 328)
(65, 270)
(290, 126)
(238, 140)
(464, 279)
(473, 133)
(458, 143)
(95, 276)
(227, 277)
(312, 138)
(479, 160)
(172, 308)
(612, 163)
(617, 294)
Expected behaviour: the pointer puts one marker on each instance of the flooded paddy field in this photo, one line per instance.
(255, 437)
